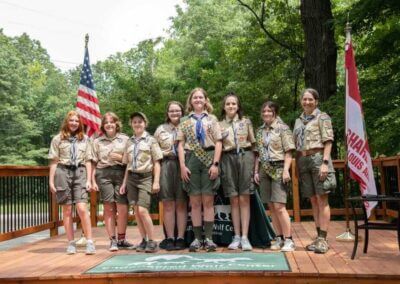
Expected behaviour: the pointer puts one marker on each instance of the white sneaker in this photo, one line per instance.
(246, 246)
(71, 248)
(90, 248)
(288, 245)
(235, 244)
(277, 245)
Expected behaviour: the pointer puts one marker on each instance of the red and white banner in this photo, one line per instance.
(358, 153)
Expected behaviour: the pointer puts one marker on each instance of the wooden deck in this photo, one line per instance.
(46, 262)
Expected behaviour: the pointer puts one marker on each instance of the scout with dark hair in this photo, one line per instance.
(313, 135)
(200, 136)
(108, 174)
(70, 176)
(274, 146)
(142, 156)
(173, 196)
(237, 164)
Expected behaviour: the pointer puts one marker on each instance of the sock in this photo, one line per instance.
(318, 231)
(121, 236)
(112, 238)
(289, 237)
(198, 230)
(280, 236)
(322, 234)
(208, 229)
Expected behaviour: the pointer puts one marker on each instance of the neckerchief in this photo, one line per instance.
(200, 134)
(73, 151)
(135, 151)
(300, 131)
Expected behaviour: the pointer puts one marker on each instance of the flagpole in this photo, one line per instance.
(86, 40)
(346, 236)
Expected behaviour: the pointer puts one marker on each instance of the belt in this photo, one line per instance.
(142, 175)
(69, 167)
(309, 152)
(173, 157)
(277, 163)
(116, 167)
(241, 150)
(211, 148)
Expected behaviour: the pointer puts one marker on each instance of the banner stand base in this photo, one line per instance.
(346, 236)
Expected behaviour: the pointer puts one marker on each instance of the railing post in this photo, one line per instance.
(93, 208)
(296, 193)
(383, 186)
(53, 214)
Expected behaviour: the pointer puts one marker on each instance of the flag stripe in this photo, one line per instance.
(89, 112)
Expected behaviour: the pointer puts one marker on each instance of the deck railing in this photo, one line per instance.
(27, 206)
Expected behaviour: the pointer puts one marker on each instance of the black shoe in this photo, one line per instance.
(170, 244)
(151, 246)
(180, 244)
(163, 243)
(124, 244)
(142, 246)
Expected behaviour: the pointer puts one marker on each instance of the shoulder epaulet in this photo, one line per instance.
(324, 116)
(124, 135)
(247, 120)
(212, 116)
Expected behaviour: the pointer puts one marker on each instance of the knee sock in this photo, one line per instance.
(322, 234)
(198, 232)
(208, 229)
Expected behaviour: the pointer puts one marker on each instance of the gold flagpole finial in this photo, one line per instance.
(86, 40)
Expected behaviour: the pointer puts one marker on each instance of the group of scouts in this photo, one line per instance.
(187, 159)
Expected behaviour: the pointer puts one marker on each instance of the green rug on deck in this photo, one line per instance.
(250, 261)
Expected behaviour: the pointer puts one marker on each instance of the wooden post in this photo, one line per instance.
(93, 208)
(383, 186)
(296, 193)
(53, 214)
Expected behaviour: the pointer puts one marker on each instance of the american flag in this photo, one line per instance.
(87, 104)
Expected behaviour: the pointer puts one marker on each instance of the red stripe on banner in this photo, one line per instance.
(95, 127)
(358, 179)
(88, 109)
(350, 62)
(87, 96)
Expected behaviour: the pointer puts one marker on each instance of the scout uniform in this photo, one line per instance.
(237, 160)
(170, 180)
(139, 155)
(200, 135)
(272, 143)
(109, 173)
(310, 134)
(70, 175)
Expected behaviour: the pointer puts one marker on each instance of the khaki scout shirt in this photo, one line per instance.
(281, 139)
(166, 137)
(210, 125)
(237, 132)
(103, 146)
(60, 149)
(315, 132)
(140, 156)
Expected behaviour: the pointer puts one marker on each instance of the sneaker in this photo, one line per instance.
(124, 244)
(209, 245)
(288, 245)
(311, 247)
(81, 242)
(235, 244)
(71, 248)
(246, 246)
(142, 246)
(180, 244)
(163, 244)
(195, 246)
(90, 248)
(113, 245)
(321, 246)
(278, 244)
(151, 246)
(170, 244)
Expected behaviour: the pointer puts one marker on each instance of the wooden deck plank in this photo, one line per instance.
(46, 260)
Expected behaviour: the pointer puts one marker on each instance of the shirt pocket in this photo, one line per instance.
(144, 152)
(64, 150)
(165, 141)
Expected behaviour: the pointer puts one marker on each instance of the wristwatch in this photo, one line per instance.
(326, 162)
(216, 163)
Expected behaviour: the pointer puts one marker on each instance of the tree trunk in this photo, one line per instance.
(320, 47)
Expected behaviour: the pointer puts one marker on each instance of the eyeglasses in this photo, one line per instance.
(174, 111)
